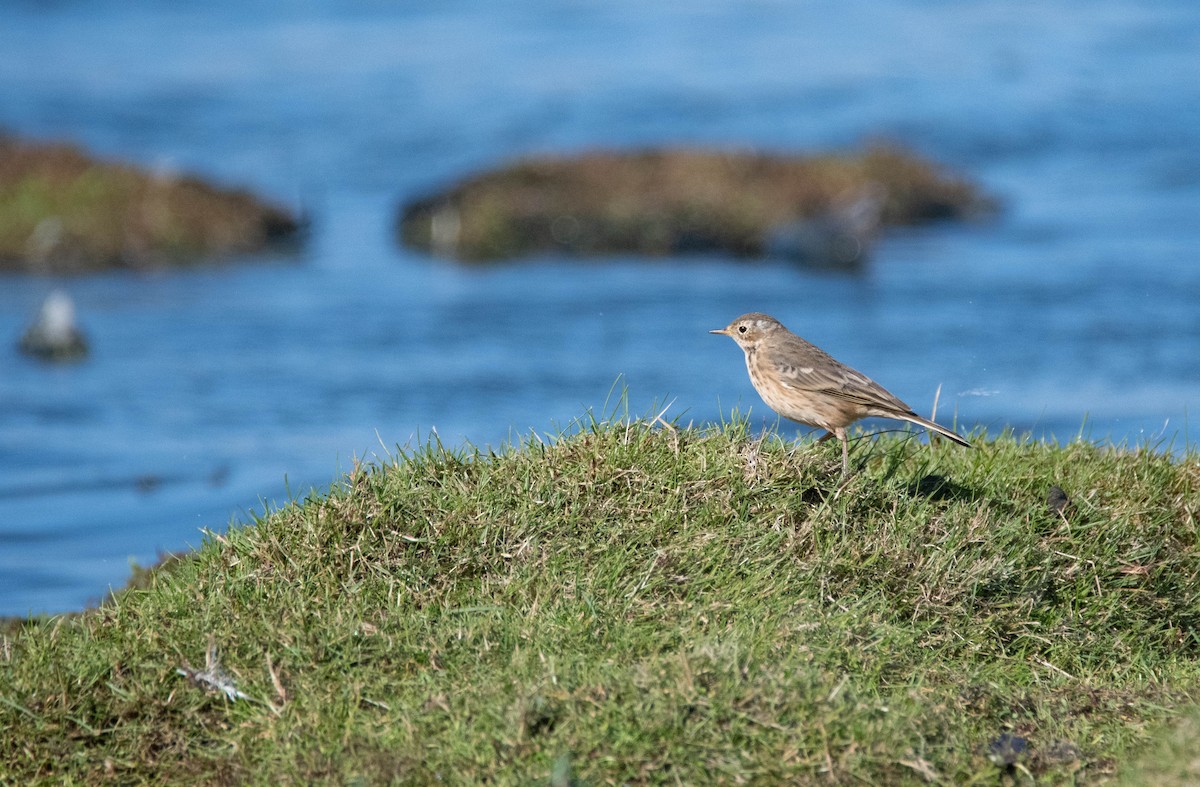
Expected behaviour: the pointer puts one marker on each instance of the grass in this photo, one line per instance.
(638, 604)
(1173, 758)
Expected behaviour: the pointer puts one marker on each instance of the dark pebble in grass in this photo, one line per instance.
(1007, 749)
(1057, 500)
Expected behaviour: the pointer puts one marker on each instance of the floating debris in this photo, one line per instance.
(53, 335)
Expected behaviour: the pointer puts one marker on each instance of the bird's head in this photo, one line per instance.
(751, 329)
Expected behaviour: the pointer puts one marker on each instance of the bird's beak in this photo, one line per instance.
(722, 331)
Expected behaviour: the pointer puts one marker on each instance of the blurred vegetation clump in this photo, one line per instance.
(62, 211)
(671, 201)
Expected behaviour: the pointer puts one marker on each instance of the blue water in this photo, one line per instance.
(215, 391)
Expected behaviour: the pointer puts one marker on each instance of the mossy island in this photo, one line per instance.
(639, 603)
(64, 211)
(823, 209)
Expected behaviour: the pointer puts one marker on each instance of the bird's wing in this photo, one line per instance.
(812, 369)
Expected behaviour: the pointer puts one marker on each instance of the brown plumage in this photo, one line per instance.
(804, 383)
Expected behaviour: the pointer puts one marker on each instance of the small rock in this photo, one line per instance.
(1007, 749)
(54, 336)
(1057, 500)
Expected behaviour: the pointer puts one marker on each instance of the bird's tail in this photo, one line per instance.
(934, 427)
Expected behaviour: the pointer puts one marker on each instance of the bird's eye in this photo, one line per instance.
(741, 329)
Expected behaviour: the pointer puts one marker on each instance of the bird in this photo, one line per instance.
(803, 383)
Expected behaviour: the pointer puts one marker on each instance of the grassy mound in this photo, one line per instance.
(631, 604)
(671, 201)
(62, 211)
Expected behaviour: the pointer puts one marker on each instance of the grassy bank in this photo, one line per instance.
(648, 605)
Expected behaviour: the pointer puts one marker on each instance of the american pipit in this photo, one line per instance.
(804, 383)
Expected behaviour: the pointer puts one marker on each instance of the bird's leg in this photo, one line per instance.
(841, 435)
(825, 437)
